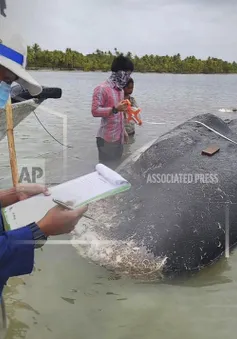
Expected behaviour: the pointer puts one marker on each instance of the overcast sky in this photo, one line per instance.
(188, 27)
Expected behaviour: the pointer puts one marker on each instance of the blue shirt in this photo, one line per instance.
(15, 258)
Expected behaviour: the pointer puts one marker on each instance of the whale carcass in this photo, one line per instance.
(180, 214)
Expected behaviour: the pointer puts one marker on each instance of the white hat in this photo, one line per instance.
(13, 55)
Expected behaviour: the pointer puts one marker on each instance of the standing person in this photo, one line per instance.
(128, 90)
(107, 104)
(17, 247)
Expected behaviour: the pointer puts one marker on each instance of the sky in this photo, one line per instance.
(165, 27)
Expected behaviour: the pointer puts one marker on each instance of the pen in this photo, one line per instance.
(62, 204)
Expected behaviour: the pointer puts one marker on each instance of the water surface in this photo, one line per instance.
(68, 297)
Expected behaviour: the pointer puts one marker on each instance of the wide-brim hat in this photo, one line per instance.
(13, 56)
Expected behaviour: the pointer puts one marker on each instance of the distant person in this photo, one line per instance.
(106, 104)
(128, 90)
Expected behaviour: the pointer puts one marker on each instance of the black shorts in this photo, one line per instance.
(109, 151)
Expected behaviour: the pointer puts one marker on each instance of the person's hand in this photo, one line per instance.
(25, 191)
(126, 137)
(122, 107)
(60, 220)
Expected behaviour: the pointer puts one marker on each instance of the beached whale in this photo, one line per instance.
(180, 214)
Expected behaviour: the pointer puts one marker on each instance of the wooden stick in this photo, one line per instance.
(11, 143)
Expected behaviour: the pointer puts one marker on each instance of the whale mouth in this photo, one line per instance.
(122, 257)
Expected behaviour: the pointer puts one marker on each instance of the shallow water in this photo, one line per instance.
(68, 297)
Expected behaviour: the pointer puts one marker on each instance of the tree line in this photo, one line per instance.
(101, 61)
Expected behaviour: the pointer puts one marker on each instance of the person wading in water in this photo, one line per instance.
(128, 90)
(107, 104)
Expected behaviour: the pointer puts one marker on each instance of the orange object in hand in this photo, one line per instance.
(132, 114)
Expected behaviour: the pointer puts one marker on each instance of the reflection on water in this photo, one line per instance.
(66, 296)
(215, 274)
(94, 300)
(16, 328)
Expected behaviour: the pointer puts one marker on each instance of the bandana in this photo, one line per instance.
(120, 79)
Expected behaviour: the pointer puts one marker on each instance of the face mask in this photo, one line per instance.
(120, 78)
(5, 91)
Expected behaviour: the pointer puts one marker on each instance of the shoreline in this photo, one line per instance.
(39, 69)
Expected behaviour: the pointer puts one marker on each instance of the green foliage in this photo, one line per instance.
(101, 61)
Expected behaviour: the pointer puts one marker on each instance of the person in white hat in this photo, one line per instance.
(13, 57)
(17, 246)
